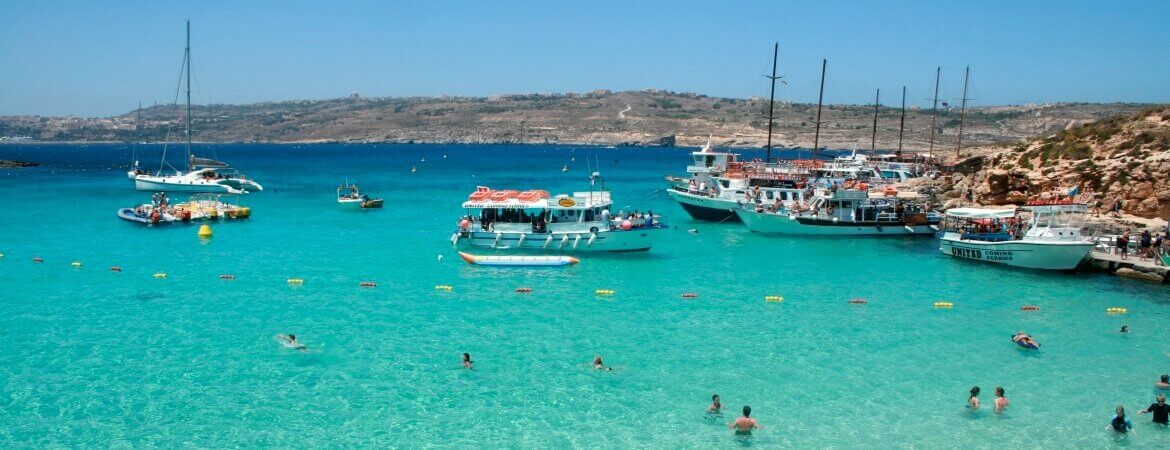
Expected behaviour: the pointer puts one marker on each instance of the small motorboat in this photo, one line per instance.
(518, 260)
(350, 195)
(146, 215)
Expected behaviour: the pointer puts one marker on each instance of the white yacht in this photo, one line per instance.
(1050, 239)
(845, 212)
(719, 184)
(200, 175)
(532, 220)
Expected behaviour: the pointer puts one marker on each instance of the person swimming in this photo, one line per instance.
(290, 341)
(716, 405)
(598, 365)
(1120, 423)
(1024, 340)
(1163, 382)
(744, 425)
(467, 361)
(973, 400)
(1001, 402)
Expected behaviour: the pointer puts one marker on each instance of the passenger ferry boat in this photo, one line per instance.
(719, 184)
(532, 220)
(845, 212)
(1050, 239)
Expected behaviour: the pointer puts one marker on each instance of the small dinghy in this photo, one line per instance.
(517, 260)
(350, 195)
(145, 215)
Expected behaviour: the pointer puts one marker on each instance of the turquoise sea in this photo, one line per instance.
(95, 358)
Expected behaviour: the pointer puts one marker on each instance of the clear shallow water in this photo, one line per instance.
(95, 357)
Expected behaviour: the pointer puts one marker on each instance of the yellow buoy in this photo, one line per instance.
(605, 292)
(296, 281)
(1116, 310)
(205, 231)
(773, 298)
(75, 264)
(160, 275)
(943, 304)
(444, 287)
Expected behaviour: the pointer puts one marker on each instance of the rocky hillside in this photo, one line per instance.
(650, 117)
(1125, 157)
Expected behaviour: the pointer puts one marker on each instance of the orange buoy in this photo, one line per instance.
(689, 295)
(858, 301)
(1029, 308)
(523, 290)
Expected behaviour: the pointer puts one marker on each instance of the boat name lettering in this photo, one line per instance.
(987, 255)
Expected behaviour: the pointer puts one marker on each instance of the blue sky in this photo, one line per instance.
(93, 58)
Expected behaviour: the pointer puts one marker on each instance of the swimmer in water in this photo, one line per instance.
(716, 405)
(1125, 328)
(973, 400)
(1001, 402)
(744, 425)
(1120, 423)
(1024, 340)
(467, 361)
(1163, 382)
(597, 364)
(292, 342)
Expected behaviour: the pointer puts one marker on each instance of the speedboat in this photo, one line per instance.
(1050, 239)
(147, 215)
(350, 196)
(845, 212)
(534, 220)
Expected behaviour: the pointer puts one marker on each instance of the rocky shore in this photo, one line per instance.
(5, 164)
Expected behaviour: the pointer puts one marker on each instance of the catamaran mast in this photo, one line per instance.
(963, 111)
(772, 100)
(820, 101)
(902, 125)
(187, 58)
(873, 140)
(934, 110)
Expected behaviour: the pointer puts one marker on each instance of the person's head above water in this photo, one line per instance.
(747, 411)
(974, 391)
(1120, 411)
(292, 337)
(597, 360)
(467, 356)
(715, 398)
(998, 391)
(1165, 378)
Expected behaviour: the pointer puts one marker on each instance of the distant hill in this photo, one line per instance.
(650, 117)
(1125, 157)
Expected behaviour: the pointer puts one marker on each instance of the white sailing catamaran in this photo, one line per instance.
(200, 174)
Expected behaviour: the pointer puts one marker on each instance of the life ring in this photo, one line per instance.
(1029, 308)
(523, 290)
(689, 295)
(593, 229)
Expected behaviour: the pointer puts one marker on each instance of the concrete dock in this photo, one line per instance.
(1130, 267)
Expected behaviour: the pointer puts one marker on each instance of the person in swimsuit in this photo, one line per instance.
(1001, 402)
(292, 342)
(597, 364)
(1119, 423)
(1160, 409)
(467, 361)
(1125, 328)
(744, 425)
(716, 405)
(1163, 382)
(973, 400)
(1024, 340)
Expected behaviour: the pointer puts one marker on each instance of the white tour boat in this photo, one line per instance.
(201, 175)
(844, 212)
(719, 184)
(532, 220)
(1050, 239)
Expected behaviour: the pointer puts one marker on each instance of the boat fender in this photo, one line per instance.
(592, 237)
(522, 236)
(835, 220)
(547, 241)
(576, 241)
(497, 241)
(908, 229)
(454, 238)
(773, 298)
(934, 227)
(564, 240)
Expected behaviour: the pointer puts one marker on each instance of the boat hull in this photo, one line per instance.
(519, 261)
(783, 224)
(704, 208)
(164, 185)
(1031, 255)
(606, 241)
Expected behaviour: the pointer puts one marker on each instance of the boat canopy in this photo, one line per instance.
(979, 213)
